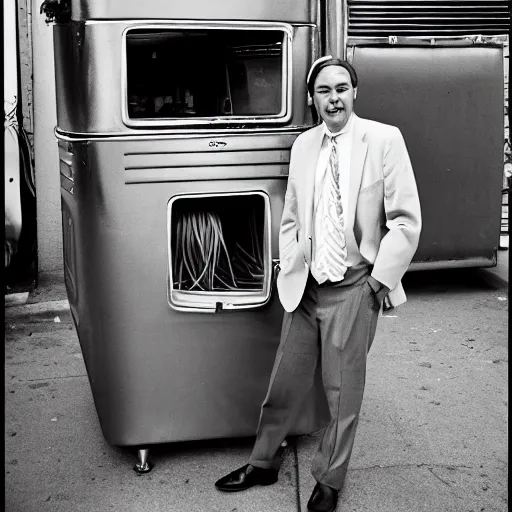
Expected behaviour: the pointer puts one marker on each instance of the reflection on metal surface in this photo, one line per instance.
(94, 11)
(220, 172)
(67, 184)
(334, 29)
(427, 40)
(143, 466)
(69, 136)
(183, 166)
(96, 107)
(350, 54)
(181, 159)
(12, 165)
(66, 163)
(69, 252)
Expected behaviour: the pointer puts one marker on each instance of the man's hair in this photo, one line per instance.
(323, 63)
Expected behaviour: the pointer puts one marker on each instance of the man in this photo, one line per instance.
(350, 227)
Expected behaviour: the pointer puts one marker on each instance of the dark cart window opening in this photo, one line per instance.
(204, 73)
(219, 250)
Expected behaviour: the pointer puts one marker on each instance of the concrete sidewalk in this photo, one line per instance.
(432, 434)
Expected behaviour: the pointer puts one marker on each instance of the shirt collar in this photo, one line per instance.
(346, 129)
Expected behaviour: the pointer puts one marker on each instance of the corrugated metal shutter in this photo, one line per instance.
(382, 18)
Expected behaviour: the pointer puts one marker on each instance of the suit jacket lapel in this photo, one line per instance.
(309, 164)
(358, 157)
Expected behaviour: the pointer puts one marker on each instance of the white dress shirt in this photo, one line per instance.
(344, 149)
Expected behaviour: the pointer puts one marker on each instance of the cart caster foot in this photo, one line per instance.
(143, 466)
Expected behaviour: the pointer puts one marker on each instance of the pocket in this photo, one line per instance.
(372, 188)
(373, 299)
(285, 252)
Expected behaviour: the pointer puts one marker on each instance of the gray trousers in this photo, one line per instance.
(337, 323)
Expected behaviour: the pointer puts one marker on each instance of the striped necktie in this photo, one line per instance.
(332, 255)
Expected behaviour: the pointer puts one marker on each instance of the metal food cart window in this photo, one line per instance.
(219, 251)
(192, 74)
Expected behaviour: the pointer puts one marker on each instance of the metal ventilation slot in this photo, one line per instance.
(381, 18)
(146, 167)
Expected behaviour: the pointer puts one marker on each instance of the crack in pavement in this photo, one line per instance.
(446, 466)
(52, 378)
(438, 477)
(297, 475)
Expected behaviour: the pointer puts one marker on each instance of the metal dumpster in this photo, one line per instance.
(446, 95)
(167, 121)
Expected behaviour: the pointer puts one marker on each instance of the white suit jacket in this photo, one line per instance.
(384, 208)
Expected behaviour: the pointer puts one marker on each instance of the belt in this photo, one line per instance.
(352, 276)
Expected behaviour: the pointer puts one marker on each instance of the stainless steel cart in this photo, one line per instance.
(160, 117)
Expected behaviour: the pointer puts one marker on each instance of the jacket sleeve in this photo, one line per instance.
(288, 232)
(402, 214)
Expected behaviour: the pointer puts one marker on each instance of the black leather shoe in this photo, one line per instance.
(246, 477)
(323, 499)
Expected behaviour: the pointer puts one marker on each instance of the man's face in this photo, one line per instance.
(333, 96)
